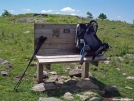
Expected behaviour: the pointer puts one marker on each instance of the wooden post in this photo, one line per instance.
(85, 70)
(39, 72)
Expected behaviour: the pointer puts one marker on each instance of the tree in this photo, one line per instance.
(133, 21)
(102, 16)
(6, 13)
(89, 15)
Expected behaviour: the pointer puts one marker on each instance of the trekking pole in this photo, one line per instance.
(41, 41)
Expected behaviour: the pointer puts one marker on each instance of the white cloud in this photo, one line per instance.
(11, 11)
(68, 9)
(119, 17)
(73, 14)
(57, 13)
(46, 11)
(26, 10)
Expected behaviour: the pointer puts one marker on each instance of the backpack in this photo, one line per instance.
(87, 42)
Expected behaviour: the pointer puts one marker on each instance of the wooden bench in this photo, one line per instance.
(59, 47)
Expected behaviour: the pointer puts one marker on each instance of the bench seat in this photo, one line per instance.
(66, 58)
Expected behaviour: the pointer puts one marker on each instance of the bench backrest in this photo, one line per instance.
(60, 38)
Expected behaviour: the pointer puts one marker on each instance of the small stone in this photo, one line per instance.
(118, 69)
(130, 77)
(95, 99)
(4, 73)
(106, 62)
(8, 65)
(83, 97)
(53, 73)
(52, 78)
(89, 93)
(68, 96)
(75, 72)
(26, 32)
(124, 74)
(39, 87)
(48, 99)
(127, 87)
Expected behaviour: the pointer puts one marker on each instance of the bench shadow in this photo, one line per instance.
(104, 90)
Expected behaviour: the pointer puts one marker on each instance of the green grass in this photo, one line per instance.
(17, 47)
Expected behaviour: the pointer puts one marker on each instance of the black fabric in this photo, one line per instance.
(86, 37)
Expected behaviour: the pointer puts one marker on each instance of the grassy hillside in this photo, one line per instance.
(16, 46)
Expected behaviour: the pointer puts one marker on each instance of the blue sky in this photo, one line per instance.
(114, 9)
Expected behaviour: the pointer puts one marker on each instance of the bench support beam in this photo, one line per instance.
(39, 72)
(85, 70)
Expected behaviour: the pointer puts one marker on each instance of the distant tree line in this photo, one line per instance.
(102, 16)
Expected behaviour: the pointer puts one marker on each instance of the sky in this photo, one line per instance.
(122, 10)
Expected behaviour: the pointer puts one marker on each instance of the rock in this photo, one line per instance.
(68, 96)
(71, 82)
(124, 74)
(89, 93)
(3, 61)
(26, 32)
(8, 65)
(118, 69)
(39, 87)
(48, 99)
(4, 73)
(86, 84)
(110, 88)
(106, 62)
(45, 74)
(130, 77)
(53, 73)
(52, 78)
(127, 87)
(83, 97)
(95, 99)
(120, 58)
(75, 72)
(50, 86)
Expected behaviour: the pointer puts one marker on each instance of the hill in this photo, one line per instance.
(16, 47)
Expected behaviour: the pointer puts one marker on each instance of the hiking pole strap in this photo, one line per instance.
(82, 58)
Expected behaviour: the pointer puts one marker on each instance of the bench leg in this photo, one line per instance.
(39, 72)
(85, 70)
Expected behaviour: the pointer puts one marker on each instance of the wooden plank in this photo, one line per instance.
(56, 51)
(55, 36)
(60, 41)
(51, 31)
(40, 26)
(85, 70)
(55, 57)
(58, 46)
(72, 59)
(100, 56)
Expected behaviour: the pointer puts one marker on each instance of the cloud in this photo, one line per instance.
(57, 13)
(73, 14)
(46, 11)
(119, 17)
(67, 9)
(26, 10)
(11, 11)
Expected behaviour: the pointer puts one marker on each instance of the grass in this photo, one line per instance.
(17, 48)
